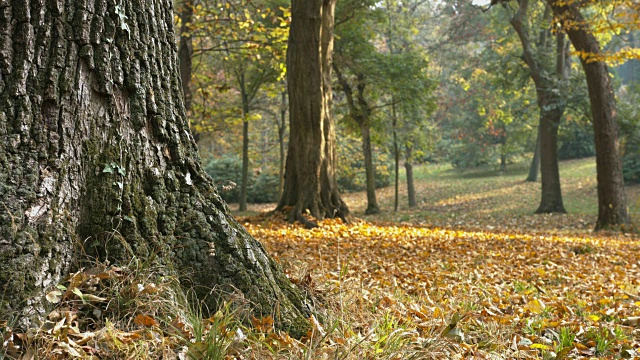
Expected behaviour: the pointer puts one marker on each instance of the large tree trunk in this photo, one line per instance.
(534, 169)
(96, 158)
(372, 202)
(551, 106)
(310, 168)
(612, 202)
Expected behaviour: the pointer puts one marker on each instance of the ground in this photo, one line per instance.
(469, 274)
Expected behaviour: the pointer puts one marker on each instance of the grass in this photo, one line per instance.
(481, 198)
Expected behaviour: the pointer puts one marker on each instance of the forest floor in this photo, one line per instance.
(469, 274)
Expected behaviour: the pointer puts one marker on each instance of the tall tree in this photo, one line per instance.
(352, 50)
(96, 158)
(310, 168)
(612, 203)
(547, 79)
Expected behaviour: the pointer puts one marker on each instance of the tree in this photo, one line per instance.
(310, 167)
(550, 99)
(354, 56)
(96, 158)
(612, 203)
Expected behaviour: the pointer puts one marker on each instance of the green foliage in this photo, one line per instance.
(227, 173)
(351, 172)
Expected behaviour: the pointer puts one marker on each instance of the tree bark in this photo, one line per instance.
(551, 106)
(96, 158)
(372, 202)
(185, 51)
(535, 162)
(244, 182)
(310, 183)
(408, 167)
(396, 156)
(551, 197)
(185, 57)
(612, 202)
(282, 126)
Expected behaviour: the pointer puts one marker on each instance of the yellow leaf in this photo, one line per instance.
(594, 317)
(535, 306)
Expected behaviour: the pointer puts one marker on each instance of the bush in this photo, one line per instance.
(262, 188)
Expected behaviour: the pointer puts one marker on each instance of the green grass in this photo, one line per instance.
(487, 197)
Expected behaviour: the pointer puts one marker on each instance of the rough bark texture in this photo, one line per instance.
(534, 169)
(185, 51)
(310, 183)
(551, 106)
(96, 158)
(612, 202)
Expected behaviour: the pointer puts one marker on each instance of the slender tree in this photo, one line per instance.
(96, 158)
(310, 183)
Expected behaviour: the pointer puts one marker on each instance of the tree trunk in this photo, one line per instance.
(408, 167)
(185, 51)
(612, 202)
(310, 167)
(551, 106)
(282, 126)
(185, 57)
(372, 202)
(396, 155)
(551, 197)
(535, 162)
(244, 183)
(96, 158)
(503, 156)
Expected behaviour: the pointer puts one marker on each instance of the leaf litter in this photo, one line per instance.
(499, 293)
